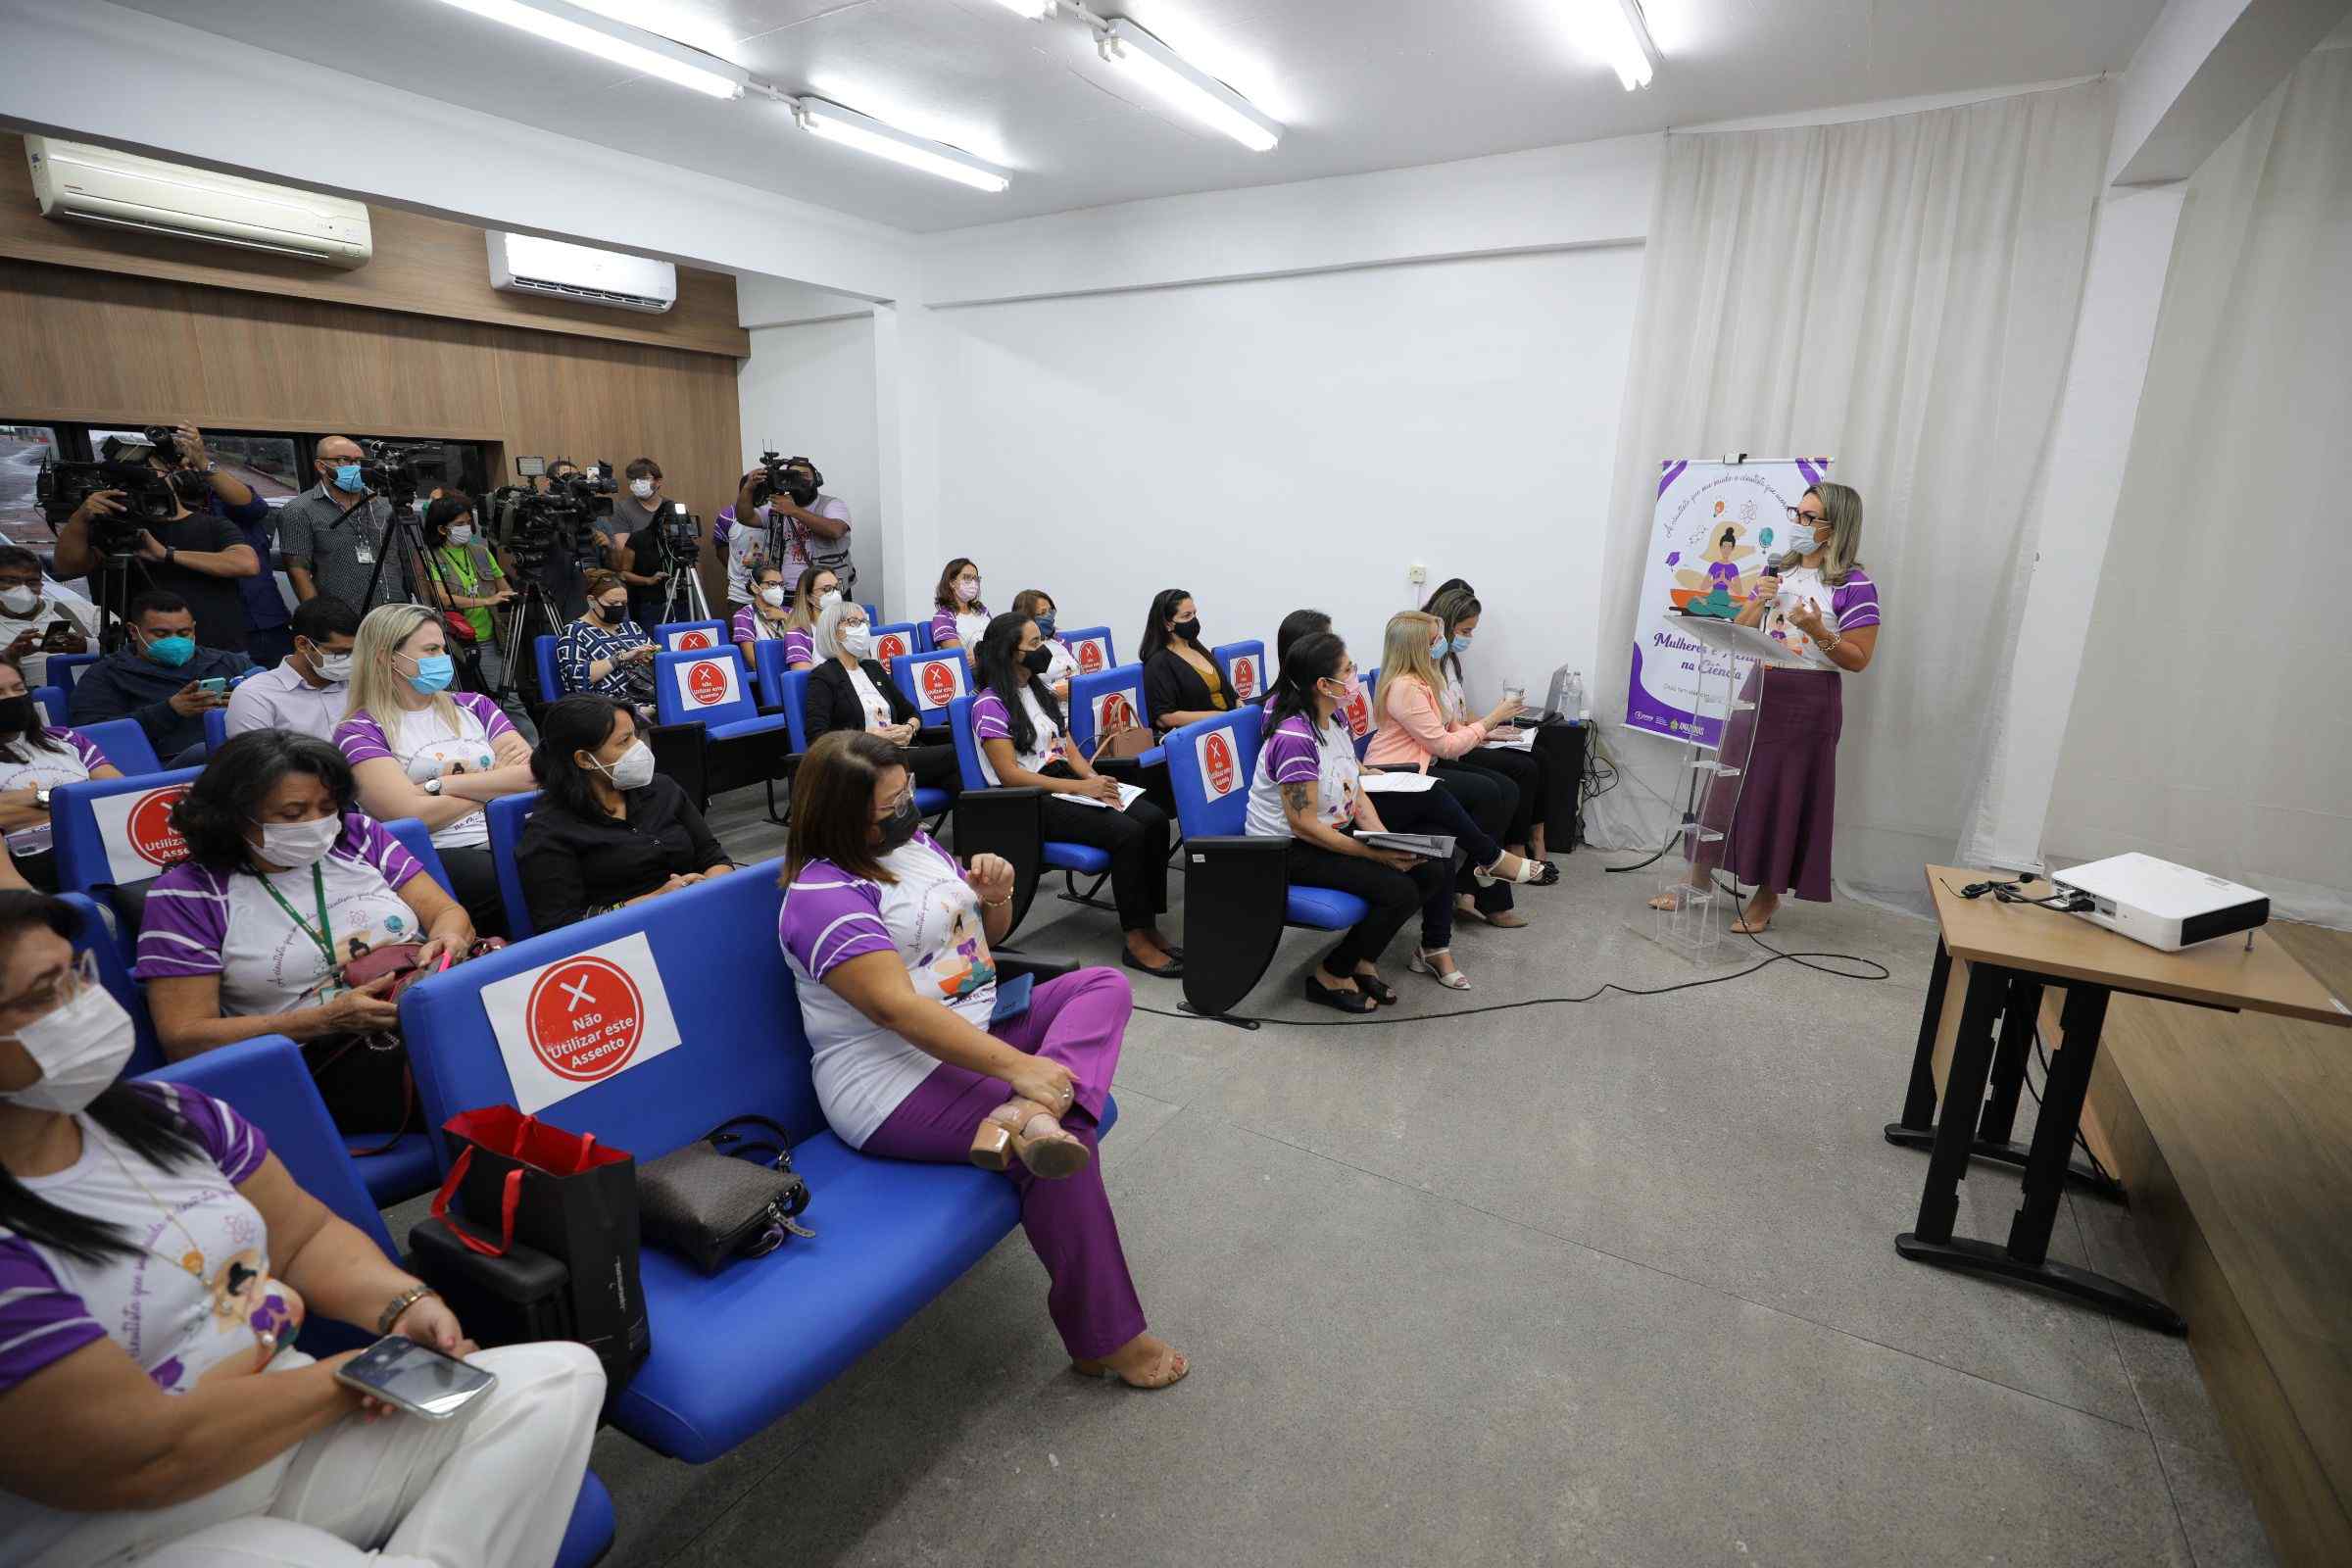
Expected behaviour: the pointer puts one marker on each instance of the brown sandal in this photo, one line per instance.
(1009, 1132)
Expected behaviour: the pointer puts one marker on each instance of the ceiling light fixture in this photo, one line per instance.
(1621, 35)
(848, 127)
(1033, 10)
(1160, 70)
(632, 48)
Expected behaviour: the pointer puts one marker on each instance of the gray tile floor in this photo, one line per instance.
(1601, 1284)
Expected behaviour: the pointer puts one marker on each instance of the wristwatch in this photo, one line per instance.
(432, 786)
(401, 1303)
(40, 796)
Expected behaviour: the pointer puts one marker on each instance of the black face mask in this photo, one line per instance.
(1037, 661)
(802, 495)
(1188, 630)
(898, 827)
(17, 715)
(612, 612)
(192, 488)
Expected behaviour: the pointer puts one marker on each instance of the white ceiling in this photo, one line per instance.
(1361, 85)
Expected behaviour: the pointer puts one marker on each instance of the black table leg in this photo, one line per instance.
(1963, 1092)
(2018, 1019)
(1919, 1100)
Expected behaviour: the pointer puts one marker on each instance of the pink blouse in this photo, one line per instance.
(1414, 729)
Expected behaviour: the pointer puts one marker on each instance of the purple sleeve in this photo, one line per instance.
(990, 721)
(237, 1145)
(361, 739)
(830, 918)
(800, 648)
(370, 845)
(184, 927)
(943, 625)
(1291, 755)
(91, 756)
(742, 630)
(494, 720)
(41, 1322)
(1856, 604)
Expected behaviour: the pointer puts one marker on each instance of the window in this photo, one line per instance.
(24, 448)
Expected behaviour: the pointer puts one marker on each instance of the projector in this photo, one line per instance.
(2160, 904)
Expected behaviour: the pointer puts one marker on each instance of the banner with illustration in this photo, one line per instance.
(1716, 528)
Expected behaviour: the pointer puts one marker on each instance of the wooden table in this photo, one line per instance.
(2009, 954)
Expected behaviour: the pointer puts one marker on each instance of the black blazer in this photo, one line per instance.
(833, 702)
(572, 867)
(1172, 686)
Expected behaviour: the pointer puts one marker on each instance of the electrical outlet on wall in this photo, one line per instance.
(1416, 575)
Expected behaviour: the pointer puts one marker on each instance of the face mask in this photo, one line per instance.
(1037, 661)
(967, 592)
(80, 1047)
(172, 651)
(434, 672)
(1044, 624)
(15, 714)
(1437, 649)
(19, 600)
(295, 845)
(802, 494)
(634, 770)
(831, 596)
(642, 489)
(331, 666)
(1462, 645)
(856, 640)
(460, 533)
(611, 614)
(898, 827)
(772, 594)
(1188, 630)
(347, 477)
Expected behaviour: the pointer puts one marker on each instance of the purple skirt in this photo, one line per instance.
(1779, 814)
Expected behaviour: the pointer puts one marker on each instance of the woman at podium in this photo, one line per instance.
(1818, 602)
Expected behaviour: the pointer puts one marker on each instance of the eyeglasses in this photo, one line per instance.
(54, 993)
(1811, 519)
(897, 803)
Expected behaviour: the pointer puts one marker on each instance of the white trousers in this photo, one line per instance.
(492, 1486)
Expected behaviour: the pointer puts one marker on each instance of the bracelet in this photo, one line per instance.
(996, 903)
(399, 1304)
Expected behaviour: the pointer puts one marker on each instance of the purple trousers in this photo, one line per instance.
(1078, 1020)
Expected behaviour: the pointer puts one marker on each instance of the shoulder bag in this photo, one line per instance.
(724, 1196)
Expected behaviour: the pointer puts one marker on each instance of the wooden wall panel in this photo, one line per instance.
(428, 266)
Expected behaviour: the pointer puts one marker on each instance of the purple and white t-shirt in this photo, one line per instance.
(751, 627)
(931, 920)
(181, 1327)
(202, 923)
(1849, 606)
(46, 770)
(966, 624)
(423, 742)
(991, 720)
(1298, 752)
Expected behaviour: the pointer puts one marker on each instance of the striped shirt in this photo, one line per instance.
(964, 624)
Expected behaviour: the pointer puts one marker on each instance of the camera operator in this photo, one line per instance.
(562, 577)
(203, 556)
(331, 537)
(783, 518)
(640, 549)
(38, 619)
(162, 677)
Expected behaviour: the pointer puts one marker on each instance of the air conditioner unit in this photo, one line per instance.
(88, 185)
(521, 263)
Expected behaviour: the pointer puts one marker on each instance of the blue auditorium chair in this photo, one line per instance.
(694, 637)
(1243, 666)
(712, 691)
(52, 701)
(93, 937)
(506, 816)
(990, 831)
(1092, 647)
(63, 669)
(931, 681)
(125, 743)
(114, 859)
(215, 729)
(896, 641)
(543, 661)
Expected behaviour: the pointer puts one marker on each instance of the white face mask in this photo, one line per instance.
(773, 594)
(642, 489)
(19, 600)
(634, 770)
(295, 845)
(81, 1047)
(831, 596)
(856, 640)
(460, 533)
(332, 666)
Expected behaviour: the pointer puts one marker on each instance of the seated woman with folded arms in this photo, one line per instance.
(849, 690)
(285, 883)
(1060, 663)
(958, 616)
(1308, 789)
(418, 751)
(888, 938)
(1024, 742)
(607, 829)
(156, 1264)
(1414, 734)
(35, 757)
(1181, 682)
(1459, 612)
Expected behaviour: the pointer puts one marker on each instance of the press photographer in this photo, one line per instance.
(651, 540)
(574, 541)
(157, 514)
(334, 535)
(783, 516)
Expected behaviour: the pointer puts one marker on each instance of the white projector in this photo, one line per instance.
(2160, 904)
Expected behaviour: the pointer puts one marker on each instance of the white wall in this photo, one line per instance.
(810, 389)
(1296, 441)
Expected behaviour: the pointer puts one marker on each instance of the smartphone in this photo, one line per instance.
(416, 1378)
(59, 627)
(218, 685)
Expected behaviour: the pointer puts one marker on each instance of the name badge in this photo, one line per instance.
(363, 556)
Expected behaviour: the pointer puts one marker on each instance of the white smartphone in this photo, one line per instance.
(416, 1378)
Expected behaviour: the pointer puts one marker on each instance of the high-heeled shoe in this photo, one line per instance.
(1010, 1131)
(1422, 963)
(1530, 873)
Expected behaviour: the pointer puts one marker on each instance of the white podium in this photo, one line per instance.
(1693, 918)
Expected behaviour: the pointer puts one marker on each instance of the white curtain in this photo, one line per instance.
(2212, 722)
(1899, 293)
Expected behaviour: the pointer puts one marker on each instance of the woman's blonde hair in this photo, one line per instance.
(376, 685)
(1403, 652)
(802, 616)
(1841, 510)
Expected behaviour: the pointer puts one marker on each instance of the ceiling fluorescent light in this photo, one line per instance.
(870, 135)
(1153, 66)
(1034, 10)
(632, 48)
(1621, 36)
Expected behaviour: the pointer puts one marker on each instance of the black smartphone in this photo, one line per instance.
(416, 1378)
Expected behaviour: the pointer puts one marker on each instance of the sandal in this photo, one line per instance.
(1169, 1369)
(1355, 1001)
(1423, 962)
(1373, 986)
(1501, 920)
(1530, 873)
(1011, 1131)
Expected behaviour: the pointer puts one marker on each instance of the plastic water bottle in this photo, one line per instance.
(1576, 702)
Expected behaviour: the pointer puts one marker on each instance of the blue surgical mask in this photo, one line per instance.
(347, 477)
(1437, 647)
(1462, 645)
(172, 651)
(434, 672)
(1044, 624)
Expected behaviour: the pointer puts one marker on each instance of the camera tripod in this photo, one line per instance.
(112, 594)
(534, 616)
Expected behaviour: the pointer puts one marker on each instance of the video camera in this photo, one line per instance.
(534, 527)
(773, 477)
(148, 494)
(393, 468)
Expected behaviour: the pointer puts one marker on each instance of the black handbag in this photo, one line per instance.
(723, 1195)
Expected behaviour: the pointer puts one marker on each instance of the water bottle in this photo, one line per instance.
(1576, 706)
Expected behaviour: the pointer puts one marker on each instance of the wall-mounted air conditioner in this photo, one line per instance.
(88, 185)
(522, 265)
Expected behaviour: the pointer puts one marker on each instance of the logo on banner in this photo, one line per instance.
(1216, 763)
(1244, 678)
(691, 642)
(706, 683)
(1114, 710)
(893, 645)
(1090, 657)
(1359, 710)
(938, 683)
(136, 830)
(580, 1020)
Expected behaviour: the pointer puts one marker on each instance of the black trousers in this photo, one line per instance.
(473, 879)
(934, 767)
(1392, 893)
(1524, 770)
(1487, 800)
(1137, 839)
